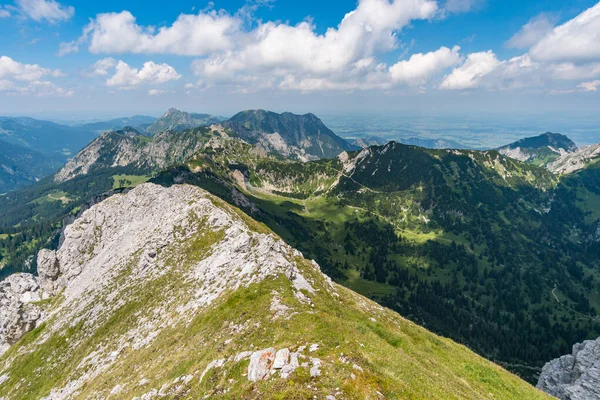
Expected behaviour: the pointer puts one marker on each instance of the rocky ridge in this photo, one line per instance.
(574, 161)
(170, 292)
(574, 376)
(128, 148)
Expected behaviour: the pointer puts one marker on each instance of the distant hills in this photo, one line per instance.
(31, 149)
(413, 141)
(20, 166)
(139, 122)
(46, 137)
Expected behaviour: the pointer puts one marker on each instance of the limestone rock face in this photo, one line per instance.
(574, 376)
(48, 271)
(17, 313)
(575, 161)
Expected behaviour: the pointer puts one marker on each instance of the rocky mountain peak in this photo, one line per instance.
(171, 111)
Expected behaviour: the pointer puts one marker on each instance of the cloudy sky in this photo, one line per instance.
(117, 57)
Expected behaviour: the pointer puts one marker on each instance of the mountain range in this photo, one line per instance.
(474, 245)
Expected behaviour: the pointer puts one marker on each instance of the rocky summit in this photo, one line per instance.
(574, 376)
(172, 293)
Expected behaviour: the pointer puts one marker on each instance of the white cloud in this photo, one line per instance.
(7, 86)
(34, 88)
(420, 68)
(575, 40)
(26, 79)
(470, 74)
(235, 54)
(102, 67)
(4, 13)
(367, 30)
(591, 86)
(155, 92)
(48, 10)
(10, 69)
(572, 71)
(297, 57)
(460, 6)
(126, 76)
(189, 35)
(532, 32)
(46, 88)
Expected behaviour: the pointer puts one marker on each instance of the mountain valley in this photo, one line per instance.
(473, 245)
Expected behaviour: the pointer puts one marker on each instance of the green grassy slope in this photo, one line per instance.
(366, 351)
(470, 244)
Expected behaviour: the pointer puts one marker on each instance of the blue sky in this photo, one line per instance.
(451, 56)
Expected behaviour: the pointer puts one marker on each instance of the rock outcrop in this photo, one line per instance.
(574, 376)
(576, 160)
(18, 312)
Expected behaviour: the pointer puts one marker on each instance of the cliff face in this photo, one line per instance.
(574, 376)
(171, 293)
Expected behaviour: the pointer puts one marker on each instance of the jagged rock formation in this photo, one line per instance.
(175, 120)
(18, 311)
(575, 376)
(576, 160)
(170, 293)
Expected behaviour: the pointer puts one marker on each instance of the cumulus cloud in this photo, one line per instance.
(28, 79)
(126, 76)
(11, 69)
(572, 71)
(265, 54)
(189, 35)
(532, 32)
(591, 86)
(420, 68)
(102, 67)
(46, 88)
(298, 57)
(4, 13)
(575, 40)
(369, 29)
(470, 74)
(49, 10)
(244, 57)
